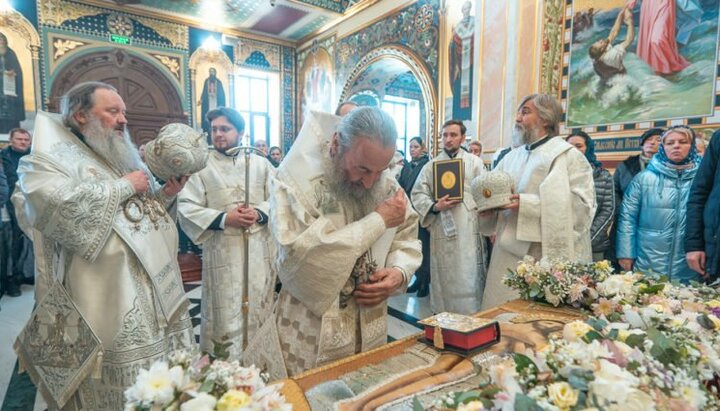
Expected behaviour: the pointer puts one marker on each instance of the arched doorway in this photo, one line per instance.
(396, 63)
(151, 99)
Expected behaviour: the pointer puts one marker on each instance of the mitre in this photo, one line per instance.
(178, 150)
(492, 189)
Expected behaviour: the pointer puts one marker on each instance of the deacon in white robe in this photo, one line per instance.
(346, 238)
(552, 210)
(210, 213)
(111, 243)
(457, 266)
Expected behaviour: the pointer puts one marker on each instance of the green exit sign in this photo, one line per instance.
(116, 38)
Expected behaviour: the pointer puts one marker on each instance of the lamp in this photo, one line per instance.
(5, 6)
(210, 43)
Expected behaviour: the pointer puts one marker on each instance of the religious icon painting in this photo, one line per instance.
(632, 61)
(316, 83)
(461, 49)
(17, 84)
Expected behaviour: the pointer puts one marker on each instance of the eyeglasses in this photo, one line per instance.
(222, 129)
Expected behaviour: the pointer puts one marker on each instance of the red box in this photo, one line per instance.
(462, 332)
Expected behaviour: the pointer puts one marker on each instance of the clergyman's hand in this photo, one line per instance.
(696, 261)
(174, 185)
(383, 283)
(444, 203)
(393, 209)
(139, 181)
(248, 216)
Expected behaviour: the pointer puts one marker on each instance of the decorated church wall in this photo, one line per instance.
(544, 46)
(70, 31)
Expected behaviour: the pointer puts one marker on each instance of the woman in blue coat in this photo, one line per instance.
(651, 228)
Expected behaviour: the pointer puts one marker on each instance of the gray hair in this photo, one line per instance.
(80, 99)
(549, 110)
(367, 122)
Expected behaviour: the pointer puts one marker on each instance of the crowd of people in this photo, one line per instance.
(331, 231)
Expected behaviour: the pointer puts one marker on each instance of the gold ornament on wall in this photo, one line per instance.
(62, 46)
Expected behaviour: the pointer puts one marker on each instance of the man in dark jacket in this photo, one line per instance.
(625, 171)
(703, 219)
(20, 142)
(4, 238)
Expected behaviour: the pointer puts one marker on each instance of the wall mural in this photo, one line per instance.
(416, 27)
(211, 71)
(73, 29)
(460, 58)
(623, 66)
(19, 46)
(646, 61)
(315, 83)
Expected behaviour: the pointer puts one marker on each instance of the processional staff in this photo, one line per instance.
(247, 150)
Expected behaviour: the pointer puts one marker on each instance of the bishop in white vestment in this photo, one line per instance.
(457, 266)
(212, 197)
(346, 238)
(112, 246)
(554, 204)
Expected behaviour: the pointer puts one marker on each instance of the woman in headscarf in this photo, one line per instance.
(604, 195)
(407, 179)
(652, 222)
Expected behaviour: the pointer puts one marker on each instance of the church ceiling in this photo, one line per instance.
(383, 74)
(284, 19)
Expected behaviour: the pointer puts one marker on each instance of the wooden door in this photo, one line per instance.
(149, 95)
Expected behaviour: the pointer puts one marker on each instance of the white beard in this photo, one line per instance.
(358, 199)
(113, 146)
(522, 135)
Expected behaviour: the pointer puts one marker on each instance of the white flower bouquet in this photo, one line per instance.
(187, 383)
(558, 282)
(594, 366)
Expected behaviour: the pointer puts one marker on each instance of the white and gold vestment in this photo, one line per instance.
(457, 265)
(319, 241)
(219, 188)
(115, 252)
(557, 206)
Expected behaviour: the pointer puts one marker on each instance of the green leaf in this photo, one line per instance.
(653, 289)
(592, 336)
(635, 340)
(633, 365)
(578, 378)
(522, 362)
(207, 385)
(467, 396)
(705, 321)
(525, 403)
(417, 405)
(613, 334)
(597, 323)
(663, 349)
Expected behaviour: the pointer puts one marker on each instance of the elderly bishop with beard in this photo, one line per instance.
(113, 249)
(550, 214)
(346, 238)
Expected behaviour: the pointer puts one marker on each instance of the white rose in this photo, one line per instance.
(202, 402)
(612, 383)
(471, 406)
(562, 395)
(155, 386)
(694, 396)
(636, 400)
(611, 285)
(573, 331)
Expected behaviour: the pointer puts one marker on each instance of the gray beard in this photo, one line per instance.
(522, 135)
(358, 200)
(119, 152)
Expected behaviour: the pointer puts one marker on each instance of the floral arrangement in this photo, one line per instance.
(192, 383)
(597, 365)
(558, 282)
(649, 345)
